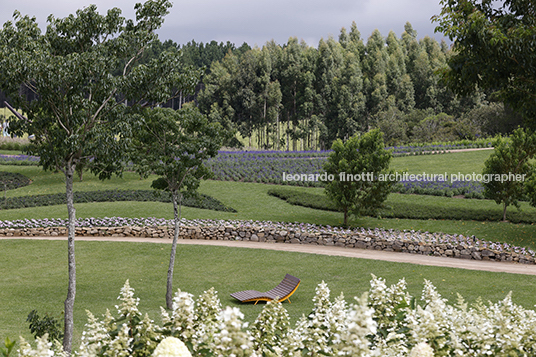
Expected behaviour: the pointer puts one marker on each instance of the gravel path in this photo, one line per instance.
(502, 267)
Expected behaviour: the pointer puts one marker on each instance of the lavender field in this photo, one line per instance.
(272, 167)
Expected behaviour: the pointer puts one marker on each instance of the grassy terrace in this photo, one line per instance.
(34, 273)
(35, 277)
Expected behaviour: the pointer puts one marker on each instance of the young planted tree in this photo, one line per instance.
(80, 114)
(173, 145)
(359, 168)
(508, 167)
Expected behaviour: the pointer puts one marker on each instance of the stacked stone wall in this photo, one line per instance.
(270, 235)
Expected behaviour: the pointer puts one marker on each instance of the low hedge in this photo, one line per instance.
(304, 199)
(404, 210)
(201, 201)
(12, 180)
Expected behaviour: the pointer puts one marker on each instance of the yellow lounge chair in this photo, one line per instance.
(281, 292)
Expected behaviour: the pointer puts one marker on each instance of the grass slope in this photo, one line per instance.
(252, 202)
(465, 162)
(37, 279)
(34, 273)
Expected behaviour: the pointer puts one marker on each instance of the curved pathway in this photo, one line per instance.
(501, 267)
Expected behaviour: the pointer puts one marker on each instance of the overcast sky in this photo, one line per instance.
(257, 21)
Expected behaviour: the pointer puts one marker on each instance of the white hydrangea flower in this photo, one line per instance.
(359, 324)
(183, 314)
(207, 312)
(231, 339)
(270, 329)
(43, 348)
(385, 302)
(94, 337)
(318, 329)
(171, 347)
(129, 304)
(422, 349)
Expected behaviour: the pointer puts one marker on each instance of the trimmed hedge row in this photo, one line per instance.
(201, 201)
(11, 180)
(404, 210)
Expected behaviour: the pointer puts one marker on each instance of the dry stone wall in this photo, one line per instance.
(270, 235)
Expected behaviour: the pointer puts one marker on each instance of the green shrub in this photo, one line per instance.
(304, 199)
(11, 162)
(201, 201)
(12, 180)
(13, 144)
(39, 326)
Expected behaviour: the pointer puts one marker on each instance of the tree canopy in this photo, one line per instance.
(358, 174)
(294, 96)
(80, 116)
(494, 49)
(173, 145)
(508, 167)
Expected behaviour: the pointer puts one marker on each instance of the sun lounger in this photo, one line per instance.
(281, 292)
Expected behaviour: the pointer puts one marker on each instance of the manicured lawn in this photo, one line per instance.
(34, 276)
(34, 273)
(54, 182)
(465, 162)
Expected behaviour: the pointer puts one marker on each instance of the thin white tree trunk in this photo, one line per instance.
(71, 291)
(177, 213)
(278, 133)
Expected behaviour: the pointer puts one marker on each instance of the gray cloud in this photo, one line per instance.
(259, 21)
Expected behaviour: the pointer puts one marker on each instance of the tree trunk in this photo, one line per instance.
(277, 131)
(267, 129)
(288, 135)
(71, 291)
(504, 212)
(177, 212)
(294, 140)
(345, 217)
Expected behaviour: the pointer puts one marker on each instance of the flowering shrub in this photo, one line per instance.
(448, 188)
(385, 321)
(269, 167)
(171, 347)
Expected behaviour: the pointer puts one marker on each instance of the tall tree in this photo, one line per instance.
(374, 71)
(173, 145)
(220, 98)
(399, 85)
(493, 49)
(339, 87)
(81, 113)
(296, 73)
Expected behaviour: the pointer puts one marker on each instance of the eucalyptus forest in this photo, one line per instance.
(299, 97)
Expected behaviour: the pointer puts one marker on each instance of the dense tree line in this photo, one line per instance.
(295, 96)
(193, 54)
